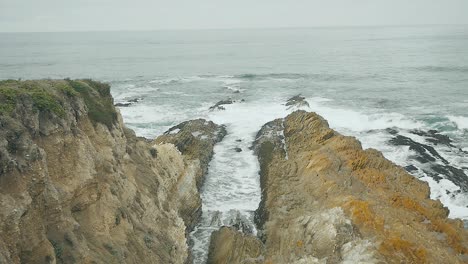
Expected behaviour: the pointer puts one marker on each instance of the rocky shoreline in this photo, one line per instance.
(77, 186)
(326, 200)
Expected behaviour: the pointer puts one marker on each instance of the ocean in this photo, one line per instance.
(401, 90)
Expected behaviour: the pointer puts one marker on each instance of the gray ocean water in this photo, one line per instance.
(375, 83)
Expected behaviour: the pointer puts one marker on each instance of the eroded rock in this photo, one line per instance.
(326, 200)
(231, 246)
(76, 186)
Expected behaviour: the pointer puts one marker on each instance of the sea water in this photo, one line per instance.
(368, 82)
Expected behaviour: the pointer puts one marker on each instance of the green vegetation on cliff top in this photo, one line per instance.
(50, 96)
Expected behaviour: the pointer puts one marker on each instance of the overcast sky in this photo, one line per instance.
(85, 15)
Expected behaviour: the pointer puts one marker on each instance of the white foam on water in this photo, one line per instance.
(233, 181)
(153, 120)
(447, 192)
(232, 184)
(174, 80)
(370, 130)
(460, 121)
(350, 120)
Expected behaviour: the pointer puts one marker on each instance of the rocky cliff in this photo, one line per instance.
(76, 186)
(326, 200)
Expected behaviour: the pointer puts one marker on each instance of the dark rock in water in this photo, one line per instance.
(241, 224)
(297, 101)
(219, 105)
(216, 219)
(392, 131)
(135, 100)
(238, 140)
(236, 91)
(129, 102)
(411, 168)
(434, 137)
(243, 100)
(238, 149)
(123, 104)
(455, 175)
(426, 153)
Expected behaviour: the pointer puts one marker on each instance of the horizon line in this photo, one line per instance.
(236, 28)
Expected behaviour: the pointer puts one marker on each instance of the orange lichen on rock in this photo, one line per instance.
(438, 225)
(406, 250)
(453, 237)
(362, 214)
(371, 177)
(410, 204)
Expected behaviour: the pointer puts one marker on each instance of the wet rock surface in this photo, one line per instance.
(128, 102)
(430, 161)
(219, 105)
(297, 101)
(326, 200)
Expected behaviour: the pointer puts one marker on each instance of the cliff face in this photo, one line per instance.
(326, 200)
(76, 186)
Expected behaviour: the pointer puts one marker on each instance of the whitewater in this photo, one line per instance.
(400, 90)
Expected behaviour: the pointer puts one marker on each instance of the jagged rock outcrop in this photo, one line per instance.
(76, 186)
(297, 101)
(230, 246)
(326, 200)
(195, 139)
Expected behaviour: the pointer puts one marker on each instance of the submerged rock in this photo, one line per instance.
(76, 186)
(432, 163)
(326, 200)
(219, 105)
(122, 104)
(297, 101)
(434, 137)
(128, 102)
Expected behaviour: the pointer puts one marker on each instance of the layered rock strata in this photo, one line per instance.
(326, 200)
(76, 186)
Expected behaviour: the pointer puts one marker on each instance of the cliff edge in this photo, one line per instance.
(326, 200)
(76, 186)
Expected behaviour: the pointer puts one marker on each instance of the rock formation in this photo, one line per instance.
(326, 200)
(297, 101)
(195, 139)
(76, 186)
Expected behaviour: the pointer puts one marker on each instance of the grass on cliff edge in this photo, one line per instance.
(49, 96)
(97, 98)
(13, 92)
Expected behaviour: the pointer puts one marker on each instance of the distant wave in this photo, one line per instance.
(308, 76)
(251, 77)
(460, 69)
(272, 76)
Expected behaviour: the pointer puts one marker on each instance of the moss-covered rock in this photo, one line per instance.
(50, 96)
(98, 100)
